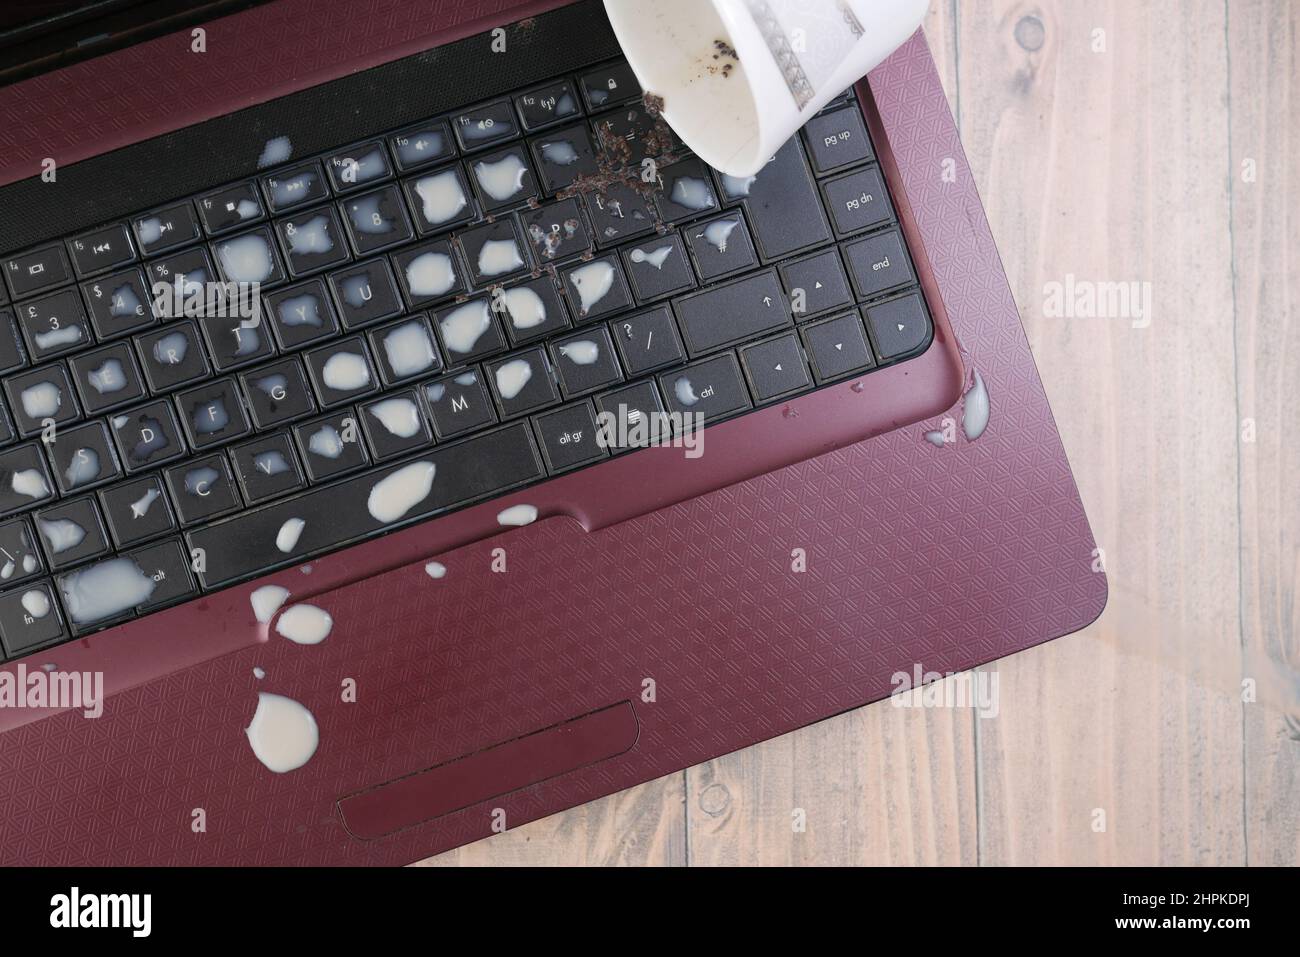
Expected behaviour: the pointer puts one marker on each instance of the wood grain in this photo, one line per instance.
(1115, 164)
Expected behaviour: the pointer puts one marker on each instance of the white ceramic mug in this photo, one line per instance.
(739, 77)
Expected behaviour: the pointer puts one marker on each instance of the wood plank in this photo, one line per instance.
(1265, 177)
(1108, 165)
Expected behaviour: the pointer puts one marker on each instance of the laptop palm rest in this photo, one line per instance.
(491, 772)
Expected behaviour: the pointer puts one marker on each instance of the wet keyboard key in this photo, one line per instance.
(585, 361)
(203, 489)
(458, 403)
(548, 105)
(166, 228)
(658, 267)
(278, 393)
(312, 241)
(721, 247)
(405, 350)
(713, 388)
(485, 125)
(234, 342)
(41, 396)
(618, 212)
(250, 257)
(564, 156)
(137, 511)
(30, 619)
(103, 249)
(441, 199)
(167, 565)
(212, 413)
(147, 436)
(422, 145)
(734, 312)
(230, 208)
(267, 467)
(172, 356)
(295, 187)
(119, 304)
(71, 532)
(596, 288)
(522, 383)
(84, 457)
(376, 220)
(395, 425)
(358, 167)
(609, 84)
(365, 293)
(341, 371)
(300, 315)
(557, 231)
(469, 331)
(331, 445)
(37, 271)
(685, 191)
(358, 507)
(20, 556)
(54, 324)
(24, 478)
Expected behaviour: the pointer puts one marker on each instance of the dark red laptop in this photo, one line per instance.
(521, 477)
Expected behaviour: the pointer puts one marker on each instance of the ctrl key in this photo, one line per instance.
(112, 590)
(30, 619)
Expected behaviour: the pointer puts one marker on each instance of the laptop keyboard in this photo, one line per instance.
(446, 311)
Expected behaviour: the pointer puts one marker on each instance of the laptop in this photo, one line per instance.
(386, 462)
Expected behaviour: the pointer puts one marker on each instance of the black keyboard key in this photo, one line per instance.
(530, 310)
(441, 200)
(83, 457)
(172, 356)
(339, 514)
(458, 403)
(13, 352)
(54, 324)
(737, 311)
(376, 220)
(816, 284)
(167, 565)
(522, 383)
(721, 247)
(107, 378)
(312, 241)
(331, 445)
(71, 532)
(137, 511)
(341, 371)
(609, 84)
(405, 350)
(267, 467)
(119, 304)
(147, 436)
(494, 251)
(103, 249)
(24, 478)
(648, 340)
(395, 425)
(713, 388)
(837, 347)
(618, 212)
(485, 125)
(658, 268)
(277, 393)
(358, 167)
(422, 145)
(775, 368)
(202, 489)
(783, 206)
(30, 619)
(879, 264)
(547, 105)
(837, 139)
(166, 229)
(20, 557)
(858, 201)
(301, 314)
(230, 208)
(568, 437)
(556, 231)
(234, 342)
(186, 275)
(899, 327)
(630, 135)
(365, 293)
(629, 416)
(249, 257)
(429, 273)
(296, 187)
(212, 413)
(503, 179)
(37, 271)
(563, 157)
(585, 361)
(40, 396)
(685, 191)
(469, 331)
(597, 288)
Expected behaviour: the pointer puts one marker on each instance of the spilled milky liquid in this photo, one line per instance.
(36, 603)
(430, 274)
(346, 372)
(593, 282)
(29, 482)
(717, 233)
(409, 350)
(109, 377)
(282, 734)
(517, 515)
(300, 311)
(501, 179)
(441, 197)
(286, 539)
(246, 259)
(583, 352)
(512, 376)
(270, 462)
(104, 589)
(41, 400)
(499, 256)
(326, 442)
(304, 624)
(655, 258)
(399, 416)
(83, 468)
(462, 327)
(525, 307)
(435, 570)
(266, 601)
(691, 192)
(399, 492)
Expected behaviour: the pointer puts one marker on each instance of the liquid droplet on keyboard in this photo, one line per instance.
(199, 481)
(737, 187)
(58, 337)
(975, 410)
(29, 482)
(559, 153)
(593, 281)
(435, 570)
(655, 258)
(286, 539)
(276, 151)
(501, 179)
(525, 307)
(258, 673)
(304, 624)
(367, 217)
(171, 348)
(300, 311)
(691, 192)
(684, 391)
(512, 376)
(247, 258)
(41, 400)
(399, 492)
(282, 734)
(717, 233)
(409, 350)
(936, 439)
(140, 507)
(209, 416)
(346, 372)
(441, 196)
(499, 256)
(462, 327)
(357, 291)
(517, 515)
(270, 462)
(312, 236)
(83, 468)
(399, 416)
(109, 377)
(430, 274)
(36, 603)
(326, 442)
(61, 534)
(266, 601)
(124, 302)
(105, 589)
(584, 352)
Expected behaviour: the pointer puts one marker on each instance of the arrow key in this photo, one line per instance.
(899, 326)
(838, 347)
(775, 368)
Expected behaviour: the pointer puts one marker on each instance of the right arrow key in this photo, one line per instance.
(900, 327)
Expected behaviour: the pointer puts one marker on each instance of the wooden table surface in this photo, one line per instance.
(1155, 141)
